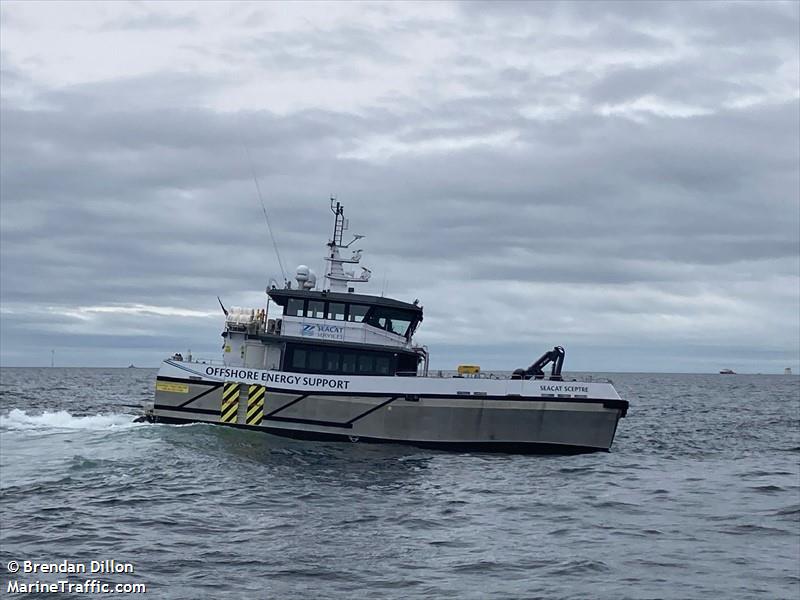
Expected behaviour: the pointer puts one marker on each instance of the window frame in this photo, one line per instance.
(308, 312)
(325, 364)
(289, 302)
(377, 314)
(312, 354)
(329, 314)
(379, 359)
(351, 355)
(362, 357)
(305, 357)
(349, 314)
(297, 352)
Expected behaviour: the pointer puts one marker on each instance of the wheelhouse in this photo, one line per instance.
(331, 330)
(327, 332)
(345, 333)
(393, 316)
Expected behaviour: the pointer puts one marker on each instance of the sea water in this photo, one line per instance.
(699, 498)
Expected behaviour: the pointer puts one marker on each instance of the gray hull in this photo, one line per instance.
(491, 423)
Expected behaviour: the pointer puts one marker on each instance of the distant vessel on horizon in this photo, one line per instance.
(131, 366)
(787, 371)
(727, 372)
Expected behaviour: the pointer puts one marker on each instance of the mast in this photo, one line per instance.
(337, 277)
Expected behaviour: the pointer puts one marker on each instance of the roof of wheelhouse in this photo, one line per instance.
(281, 296)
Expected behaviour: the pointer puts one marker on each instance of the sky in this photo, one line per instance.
(620, 178)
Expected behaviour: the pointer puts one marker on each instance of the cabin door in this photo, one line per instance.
(272, 358)
(234, 351)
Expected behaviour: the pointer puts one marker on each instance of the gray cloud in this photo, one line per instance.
(316, 49)
(603, 173)
(146, 19)
(682, 81)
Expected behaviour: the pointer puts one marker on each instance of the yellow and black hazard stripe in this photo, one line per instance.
(229, 408)
(255, 404)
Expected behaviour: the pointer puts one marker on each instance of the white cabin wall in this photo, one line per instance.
(234, 352)
(343, 331)
(272, 358)
(254, 354)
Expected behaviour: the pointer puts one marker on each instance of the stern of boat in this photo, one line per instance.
(183, 393)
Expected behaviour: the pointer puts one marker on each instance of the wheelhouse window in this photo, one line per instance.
(294, 307)
(336, 311)
(316, 309)
(348, 362)
(299, 358)
(332, 362)
(382, 365)
(407, 365)
(357, 313)
(315, 360)
(318, 359)
(366, 363)
(391, 319)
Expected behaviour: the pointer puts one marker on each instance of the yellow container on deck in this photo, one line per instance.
(468, 369)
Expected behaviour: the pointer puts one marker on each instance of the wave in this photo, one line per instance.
(767, 489)
(792, 510)
(20, 420)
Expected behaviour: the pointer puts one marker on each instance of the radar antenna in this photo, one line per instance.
(337, 277)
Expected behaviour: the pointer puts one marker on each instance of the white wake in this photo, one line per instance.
(21, 420)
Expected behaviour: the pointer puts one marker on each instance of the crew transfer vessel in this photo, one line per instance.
(333, 364)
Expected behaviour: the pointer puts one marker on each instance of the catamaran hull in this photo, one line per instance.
(419, 411)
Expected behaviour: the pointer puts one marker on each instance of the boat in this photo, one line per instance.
(329, 363)
(727, 372)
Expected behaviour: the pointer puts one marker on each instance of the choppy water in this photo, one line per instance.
(700, 498)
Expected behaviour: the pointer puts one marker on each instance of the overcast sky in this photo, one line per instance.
(618, 178)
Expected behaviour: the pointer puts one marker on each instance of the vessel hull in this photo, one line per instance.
(430, 412)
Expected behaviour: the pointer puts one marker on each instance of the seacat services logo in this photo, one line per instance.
(323, 331)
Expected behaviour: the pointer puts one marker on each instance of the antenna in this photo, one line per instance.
(338, 278)
(222, 306)
(264, 209)
(338, 223)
